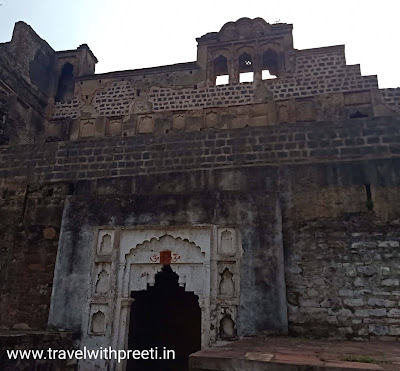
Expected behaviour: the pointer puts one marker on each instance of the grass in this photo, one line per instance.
(361, 359)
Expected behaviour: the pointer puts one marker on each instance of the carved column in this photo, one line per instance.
(257, 67)
(124, 310)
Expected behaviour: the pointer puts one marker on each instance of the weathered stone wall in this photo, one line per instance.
(146, 154)
(3, 117)
(262, 285)
(242, 160)
(343, 280)
(392, 98)
(341, 238)
(317, 72)
(36, 341)
(30, 216)
(119, 98)
(27, 78)
(321, 62)
(314, 154)
(89, 120)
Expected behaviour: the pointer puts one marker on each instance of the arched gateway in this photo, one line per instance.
(179, 281)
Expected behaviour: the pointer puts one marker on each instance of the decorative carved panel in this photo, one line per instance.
(102, 281)
(145, 124)
(226, 241)
(114, 127)
(227, 285)
(87, 128)
(179, 121)
(98, 319)
(211, 119)
(105, 242)
(98, 325)
(283, 112)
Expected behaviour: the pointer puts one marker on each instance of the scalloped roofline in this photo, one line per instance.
(244, 20)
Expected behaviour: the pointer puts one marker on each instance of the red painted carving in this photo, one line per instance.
(155, 258)
(165, 257)
(175, 258)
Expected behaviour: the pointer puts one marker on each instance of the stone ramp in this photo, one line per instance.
(291, 354)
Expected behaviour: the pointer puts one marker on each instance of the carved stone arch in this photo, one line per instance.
(158, 244)
(146, 259)
(139, 260)
(87, 128)
(106, 244)
(225, 52)
(227, 284)
(98, 322)
(245, 49)
(246, 62)
(227, 327)
(102, 282)
(270, 45)
(219, 64)
(271, 58)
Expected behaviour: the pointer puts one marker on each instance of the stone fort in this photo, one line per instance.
(252, 192)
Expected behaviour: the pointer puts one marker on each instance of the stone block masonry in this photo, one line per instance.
(148, 154)
(116, 100)
(392, 98)
(344, 276)
(120, 98)
(165, 99)
(296, 179)
(70, 109)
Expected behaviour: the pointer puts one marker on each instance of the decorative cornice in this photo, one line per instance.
(245, 28)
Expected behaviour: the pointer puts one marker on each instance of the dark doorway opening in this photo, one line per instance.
(66, 84)
(167, 317)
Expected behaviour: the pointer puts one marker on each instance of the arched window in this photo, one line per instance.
(221, 73)
(270, 65)
(65, 90)
(246, 71)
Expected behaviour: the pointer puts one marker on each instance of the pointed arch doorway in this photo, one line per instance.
(164, 316)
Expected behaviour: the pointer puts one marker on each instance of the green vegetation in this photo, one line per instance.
(361, 359)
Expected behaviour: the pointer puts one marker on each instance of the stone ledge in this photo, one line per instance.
(291, 354)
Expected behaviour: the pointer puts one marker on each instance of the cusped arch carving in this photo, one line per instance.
(245, 28)
(246, 49)
(145, 260)
(221, 52)
(270, 45)
(167, 242)
(98, 323)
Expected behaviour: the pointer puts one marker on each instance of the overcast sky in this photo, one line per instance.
(128, 34)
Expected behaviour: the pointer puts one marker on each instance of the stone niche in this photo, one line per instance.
(227, 241)
(98, 319)
(304, 110)
(145, 124)
(114, 127)
(105, 242)
(178, 121)
(226, 286)
(102, 279)
(227, 322)
(87, 128)
(211, 119)
(282, 111)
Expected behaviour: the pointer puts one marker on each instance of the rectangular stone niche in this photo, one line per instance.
(98, 319)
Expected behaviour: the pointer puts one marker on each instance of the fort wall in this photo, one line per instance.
(305, 167)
